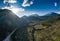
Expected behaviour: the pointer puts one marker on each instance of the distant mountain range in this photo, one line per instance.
(36, 17)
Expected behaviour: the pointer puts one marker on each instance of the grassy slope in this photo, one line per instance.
(48, 30)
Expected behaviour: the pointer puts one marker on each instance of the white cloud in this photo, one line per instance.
(55, 4)
(31, 2)
(26, 3)
(10, 1)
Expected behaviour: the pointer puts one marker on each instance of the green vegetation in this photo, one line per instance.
(48, 30)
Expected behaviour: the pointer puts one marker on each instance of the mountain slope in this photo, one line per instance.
(8, 22)
(46, 30)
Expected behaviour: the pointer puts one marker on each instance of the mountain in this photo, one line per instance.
(44, 25)
(33, 17)
(8, 22)
(49, 16)
(52, 14)
(36, 17)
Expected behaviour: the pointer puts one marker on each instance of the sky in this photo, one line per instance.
(40, 7)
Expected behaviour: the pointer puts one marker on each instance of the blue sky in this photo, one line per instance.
(40, 7)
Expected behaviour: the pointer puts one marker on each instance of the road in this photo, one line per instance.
(8, 38)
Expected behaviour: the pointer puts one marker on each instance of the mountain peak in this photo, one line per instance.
(52, 14)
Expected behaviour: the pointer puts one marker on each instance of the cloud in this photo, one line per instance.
(26, 3)
(55, 4)
(31, 2)
(10, 1)
(14, 9)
